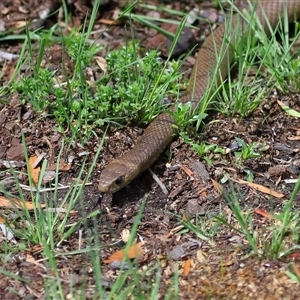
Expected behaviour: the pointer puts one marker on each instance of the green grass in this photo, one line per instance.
(50, 228)
(264, 62)
(131, 92)
(280, 237)
(247, 151)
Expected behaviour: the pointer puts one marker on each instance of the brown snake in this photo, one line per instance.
(159, 133)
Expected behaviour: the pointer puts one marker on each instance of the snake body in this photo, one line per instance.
(159, 133)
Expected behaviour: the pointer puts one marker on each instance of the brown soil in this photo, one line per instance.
(219, 270)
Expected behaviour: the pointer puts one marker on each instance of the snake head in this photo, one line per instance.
(113, 178)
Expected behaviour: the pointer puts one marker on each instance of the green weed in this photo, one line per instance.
(248, 151)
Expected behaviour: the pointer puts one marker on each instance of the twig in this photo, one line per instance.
(33, 189)
(158, 181)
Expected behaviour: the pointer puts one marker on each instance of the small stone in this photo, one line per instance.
(200, 171)
(16, 152)
(193, 208)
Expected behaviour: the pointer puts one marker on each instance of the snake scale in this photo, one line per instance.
(160, 132)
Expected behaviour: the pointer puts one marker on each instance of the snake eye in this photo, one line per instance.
(119, 180)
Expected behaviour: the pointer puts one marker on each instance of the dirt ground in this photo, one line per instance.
(219, 270)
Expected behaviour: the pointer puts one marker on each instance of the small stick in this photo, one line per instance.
(158, 181)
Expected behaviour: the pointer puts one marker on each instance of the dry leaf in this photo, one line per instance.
(4, 202)
(295, 128)
(217, 186)
(61, 167)
(48, 176)
(34, 171)
(202, 192)
(262, 189)
(61, 210)
(187, 171)
(135, 251)
(36, 248)
(7, 233)
(20, 24)
(263, 213)
(227, 263)
(296, 270)
(101, 63)
(31, 259)
(110, 22)
(294, 138)
(200, 256)
(295, 255)
(187, 267)
(125, 234)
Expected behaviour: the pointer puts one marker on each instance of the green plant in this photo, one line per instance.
(294, 274)
(275, 242)
(184, 117)
(244, 220)
(131, 91)
(203, 227)
(248, 151)
(263, 62)
(203, 149)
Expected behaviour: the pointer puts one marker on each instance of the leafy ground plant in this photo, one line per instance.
(247, 151)
(129, 92)
(128, 88)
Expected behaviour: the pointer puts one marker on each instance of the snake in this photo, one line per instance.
(160, 132)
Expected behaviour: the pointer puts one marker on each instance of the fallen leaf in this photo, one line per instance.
(134, 251)
(262, 188)
(293, 138)
(187, 171)
(294, 255)
(31, 259)
(48, 176)
(125, 234)
(20, 24)
(217, 186)
(227, 263)
(36, 248)
(38, 160)
(7, 233)
(201, 256)
(110, 22)
(34, 171)
(288, 110)
(12, 203)
(187, 267)
(202, 192)
(296, 270)
(263, 213)
(295, 128)
(101, 63)
(61, 210)
(61, 167)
